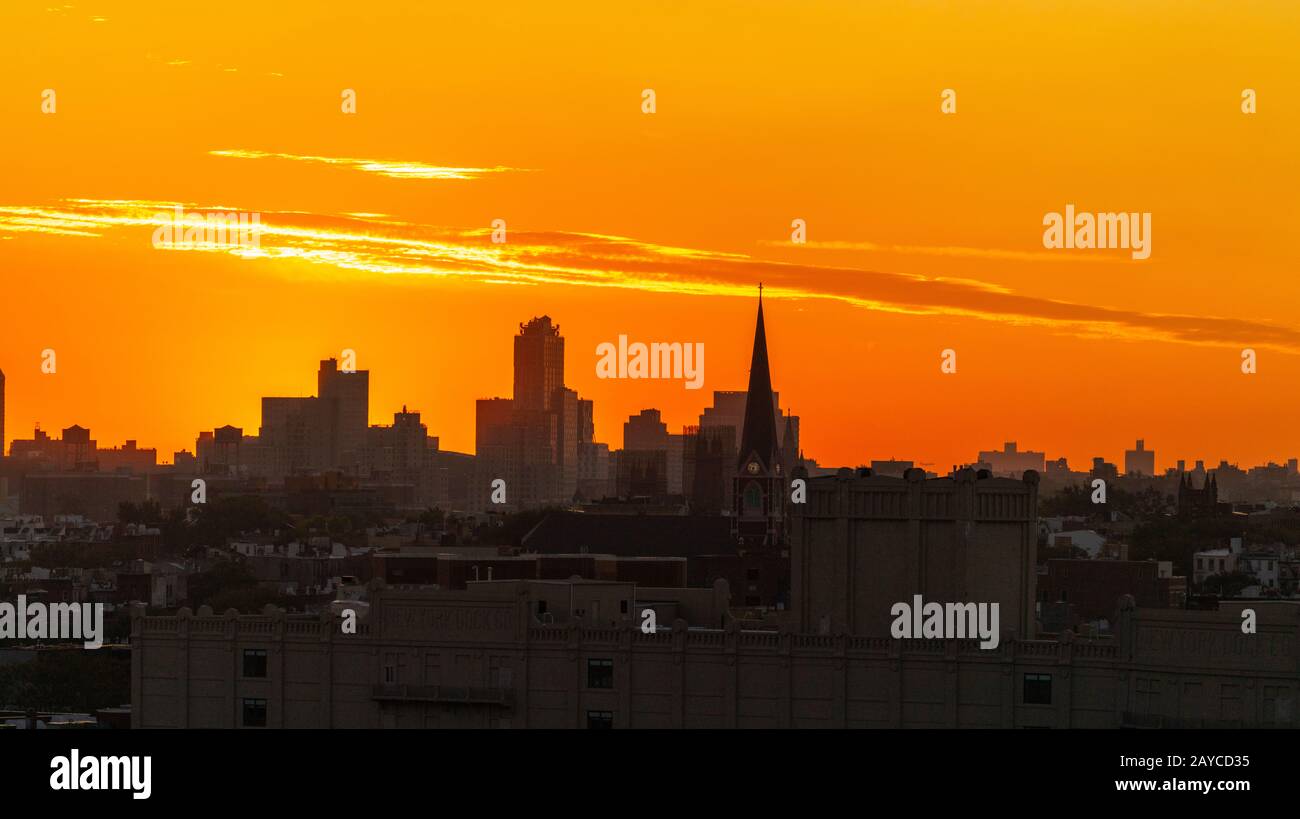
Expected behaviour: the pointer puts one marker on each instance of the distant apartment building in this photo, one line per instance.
(891, 468)
(94, 495)
(642, 465)
(404, 453)
(1215, 561)
(1263, 566)
(344, 409)
(323, 432)
(73, 451)
(1101, 468)
(222, 452)
(1010, 461)
(1140, 461)
(1094, 588)
(1085, 539)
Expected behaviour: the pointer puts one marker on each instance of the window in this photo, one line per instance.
(751, 574)
(254, 713)
(254, 662)
(1230, 703)
(1038, 689)
(600, 673)
(600, 719)
(622, 607)
(541, 606)
(393, 662)
(1148, 695)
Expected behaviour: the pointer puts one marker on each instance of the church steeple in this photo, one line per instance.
(758, 436)
(758, 520)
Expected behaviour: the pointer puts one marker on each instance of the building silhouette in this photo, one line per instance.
(539, 364)
(760, 481)
(1010, 461)
(862, 542)
(1203, 502)
(1140, 461)
(344, 400)
(539, 441)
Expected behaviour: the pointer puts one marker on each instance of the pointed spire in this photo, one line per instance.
(758, 437)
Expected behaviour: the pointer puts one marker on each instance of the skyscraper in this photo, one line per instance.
(539, 364)
(345, 405)
(760, 490)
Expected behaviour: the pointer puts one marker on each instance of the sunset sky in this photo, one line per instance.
(924, 229)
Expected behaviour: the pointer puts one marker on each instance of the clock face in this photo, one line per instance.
(753, 468)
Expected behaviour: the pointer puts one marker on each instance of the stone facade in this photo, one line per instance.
(862, 542)
(427, 658)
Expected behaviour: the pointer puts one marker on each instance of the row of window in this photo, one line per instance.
(1037, 691)
(600, 674)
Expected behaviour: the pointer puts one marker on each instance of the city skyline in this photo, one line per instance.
(377, 226)
(379, 417)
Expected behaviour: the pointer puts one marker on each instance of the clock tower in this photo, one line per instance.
(760, 484)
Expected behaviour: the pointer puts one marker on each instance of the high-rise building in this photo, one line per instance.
(645, 431)
(760, 482)
(568, 417)
(539, 364)
(293, 437)
(1140, 461)
(540, 442)
(594, 480)
(314, 434)
(345, 409)
(643, 461)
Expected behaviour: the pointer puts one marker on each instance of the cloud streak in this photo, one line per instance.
(368, 244)
(946, 250)
(393, 169)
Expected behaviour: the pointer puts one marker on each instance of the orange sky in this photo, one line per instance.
(925, 229)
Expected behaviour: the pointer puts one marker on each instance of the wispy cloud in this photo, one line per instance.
(395, 169)
(946, 250)
(371, 244)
